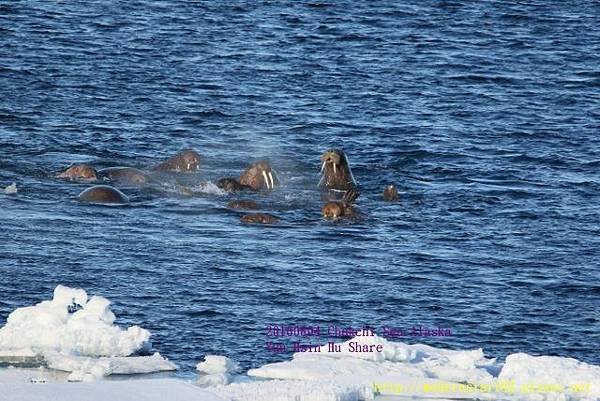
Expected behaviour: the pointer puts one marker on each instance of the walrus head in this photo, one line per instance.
(335, 171)
(259, 175)
(79, 172)
(333, 210)
(184, 161)
(390, 193)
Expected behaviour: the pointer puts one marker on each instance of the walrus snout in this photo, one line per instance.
(260, 175)
(333, 158)
(82, 172)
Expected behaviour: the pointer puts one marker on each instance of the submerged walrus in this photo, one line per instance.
(84, 172)
(335, 172)
(103, 194)
(259, 218)
(243, 204)
(260, 175)
(187, 160)
(336, 209)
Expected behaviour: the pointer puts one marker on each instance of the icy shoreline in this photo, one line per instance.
(77, 335)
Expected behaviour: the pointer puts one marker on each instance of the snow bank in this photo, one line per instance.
(552, 376)
(365, 367)
(71, 332)
(17, 385)
(295, 390)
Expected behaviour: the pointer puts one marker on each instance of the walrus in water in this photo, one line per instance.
(390, 193)
(258, 176)
(259, 218)
(243, 204)
(335, 209)
(336, 175)
(79, 172)
(86, 173)
(187, 160)
(103, 194)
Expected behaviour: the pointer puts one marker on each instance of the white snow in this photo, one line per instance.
(77, 334)
(215, 370)
(25, 385)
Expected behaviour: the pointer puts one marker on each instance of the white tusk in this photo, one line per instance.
(264, 173)
(272, 182)
(334, 170)
(323, 167)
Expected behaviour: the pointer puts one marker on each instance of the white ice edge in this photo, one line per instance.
(87, 344)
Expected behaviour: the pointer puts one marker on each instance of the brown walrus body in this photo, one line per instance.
(128, 175)
(79, 172)
(230, 184)
(103, 194)
(336, 209)
(335, 171)
(260, 175)
(187, 160)
(259, 218)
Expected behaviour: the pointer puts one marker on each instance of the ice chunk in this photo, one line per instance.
(11, 189)
(89, 331)
(215, 370)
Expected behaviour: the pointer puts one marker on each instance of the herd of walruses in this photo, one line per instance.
(338, 187)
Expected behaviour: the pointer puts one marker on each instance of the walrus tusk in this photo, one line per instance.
(323, 167)
(272, 182)
(334, 170)
(264, 173)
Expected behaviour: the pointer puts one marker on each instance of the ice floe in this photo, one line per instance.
(77, 334)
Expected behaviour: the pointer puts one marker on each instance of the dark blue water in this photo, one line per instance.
(485, 114)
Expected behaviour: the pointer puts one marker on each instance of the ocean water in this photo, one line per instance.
(485, 114)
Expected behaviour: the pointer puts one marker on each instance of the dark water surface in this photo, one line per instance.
(486, 115)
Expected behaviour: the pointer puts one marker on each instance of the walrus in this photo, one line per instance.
(79, 172)
(103, 194)
(243, 204)
(185, 161)
(335, 171)
(390, 193)
(336, 209)
(259, 218)
(128, 175)
(87, 173)
(259, 175)
(230, 184)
